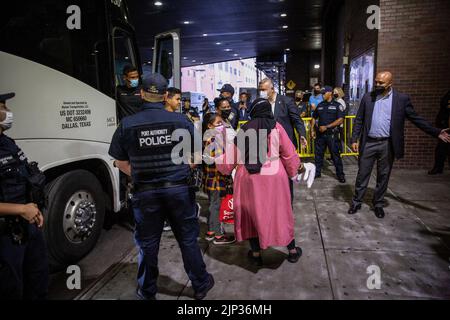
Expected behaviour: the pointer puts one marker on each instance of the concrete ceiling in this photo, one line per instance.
(244, 28)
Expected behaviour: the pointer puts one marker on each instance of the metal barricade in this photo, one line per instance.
(308, 151)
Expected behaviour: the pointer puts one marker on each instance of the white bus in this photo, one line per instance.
(65, 111)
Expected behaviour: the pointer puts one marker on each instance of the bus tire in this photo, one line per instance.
(74, 217)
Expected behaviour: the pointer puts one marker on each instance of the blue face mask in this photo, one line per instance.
(134, 83)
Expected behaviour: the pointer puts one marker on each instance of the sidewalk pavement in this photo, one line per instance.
(411, 248)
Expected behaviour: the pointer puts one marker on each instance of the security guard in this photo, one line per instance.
(329, 117)
(142, 146)
(129, 94)
(23, 254)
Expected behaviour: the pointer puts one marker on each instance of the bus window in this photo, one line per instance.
(37, 31)
(123, 54)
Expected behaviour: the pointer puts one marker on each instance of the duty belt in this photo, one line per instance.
(142, 187)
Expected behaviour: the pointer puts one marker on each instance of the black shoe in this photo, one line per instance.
(354, 209)
(318, 176)
(256, 260)
(294, 257)
(202, 294)
(435, 171)
(379, 213)
(342, 179)
(143, 296)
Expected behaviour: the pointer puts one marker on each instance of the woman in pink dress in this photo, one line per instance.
(262, 198)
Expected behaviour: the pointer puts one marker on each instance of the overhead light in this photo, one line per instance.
(317, 66)
(170, 53)
(285, 27)
(184, 58)
(283, 15)
(194, 60)
(158, 3)
(228, 50)
(235, 55)
(218, 43)
(187, 22)
(287, 49)
(205, 34)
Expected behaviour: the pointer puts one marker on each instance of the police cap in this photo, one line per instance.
(154, 83)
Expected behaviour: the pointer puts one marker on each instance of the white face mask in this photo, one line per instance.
(263, 95)
(8, 122)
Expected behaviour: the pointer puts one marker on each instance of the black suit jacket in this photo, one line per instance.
(288, 115)
(402, 109)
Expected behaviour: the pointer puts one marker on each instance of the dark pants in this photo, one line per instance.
(24, 268)
(382, 153)
(177, 205)
(332, 142)
(441, 154)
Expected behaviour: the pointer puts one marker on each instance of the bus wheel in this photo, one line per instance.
(74, 217)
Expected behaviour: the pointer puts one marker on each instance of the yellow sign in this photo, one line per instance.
(291, 85)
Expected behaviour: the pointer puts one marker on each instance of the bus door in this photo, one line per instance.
(166, 57)
(124, 54)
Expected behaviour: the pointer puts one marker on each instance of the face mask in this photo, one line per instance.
(8, 122)
(134, 83)
(226, 113)
(379, 90)
(264, 95)
(220, 128)
(336, 96)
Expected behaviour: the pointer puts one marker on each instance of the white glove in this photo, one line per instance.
(309, 175)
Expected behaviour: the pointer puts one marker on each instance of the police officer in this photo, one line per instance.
(328, 117)
(227, 93)
(23, 254)
(142, 146)
(129, 94)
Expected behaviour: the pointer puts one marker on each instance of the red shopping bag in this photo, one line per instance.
(226, 210)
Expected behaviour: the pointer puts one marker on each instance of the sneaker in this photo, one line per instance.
(210, 236)
(222, 240)
(167, 226)
(202, 294)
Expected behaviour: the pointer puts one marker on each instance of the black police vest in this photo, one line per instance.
(13, 173)
(151, 155)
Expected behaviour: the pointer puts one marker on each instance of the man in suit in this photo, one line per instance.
(379, 136)
(285, 111)
(287, 114)
(243, 106)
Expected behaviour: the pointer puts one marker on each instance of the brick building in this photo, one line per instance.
(413, 42)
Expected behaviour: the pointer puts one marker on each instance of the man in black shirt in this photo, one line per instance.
(129, 95)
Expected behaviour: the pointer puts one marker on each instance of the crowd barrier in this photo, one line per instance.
(308, 151)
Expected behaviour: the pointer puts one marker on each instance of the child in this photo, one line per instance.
(215, 185)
